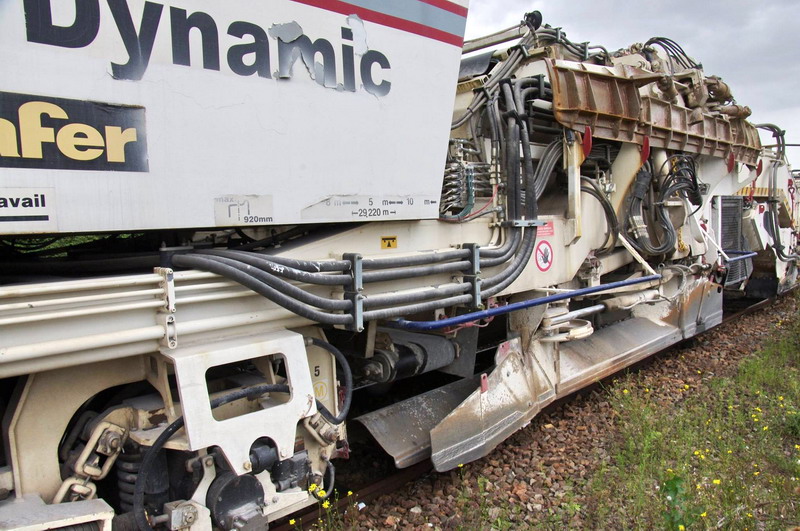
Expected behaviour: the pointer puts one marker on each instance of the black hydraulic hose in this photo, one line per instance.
(494, 285)
(348, 382)
(417, 259)
(511, 247)
(413, 272)
(151, 453)
(397, 311)
(328, 481)
(551, 156)
(512, 164)
(282, 286)
(323, 266)
(401, 298)
(235, 274)
(594, 190)
(265, 263)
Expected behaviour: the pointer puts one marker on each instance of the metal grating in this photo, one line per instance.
(732, 239)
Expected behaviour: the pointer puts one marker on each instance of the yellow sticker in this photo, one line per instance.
(388, 242)
(321, 390)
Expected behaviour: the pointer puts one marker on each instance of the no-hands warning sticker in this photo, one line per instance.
(544, 255)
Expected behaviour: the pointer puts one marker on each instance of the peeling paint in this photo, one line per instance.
(360, 45)
(288, 32)
(321, 59)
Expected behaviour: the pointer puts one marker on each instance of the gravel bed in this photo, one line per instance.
(542, 469)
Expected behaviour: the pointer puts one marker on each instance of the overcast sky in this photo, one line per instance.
(751, 45)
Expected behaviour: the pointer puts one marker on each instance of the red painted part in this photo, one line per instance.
(447, 6)
(759, 168)
(587, 141)
(484, 383)
(731, 162)
(385, 20)
(645, 148)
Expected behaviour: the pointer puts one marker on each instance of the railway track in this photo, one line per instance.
(559, 410)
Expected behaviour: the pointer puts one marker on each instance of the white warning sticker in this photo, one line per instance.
(27, 210)
(544, 255)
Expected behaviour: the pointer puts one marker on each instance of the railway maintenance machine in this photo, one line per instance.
(225, 226)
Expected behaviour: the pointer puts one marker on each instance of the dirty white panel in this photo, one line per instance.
(356, 130)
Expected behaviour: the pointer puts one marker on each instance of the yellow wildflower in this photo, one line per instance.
(756, 473)
(321, 493)
(686, 386)
(461, 465)
(716, 482)
(349, 492)
(702, 456)
(758, 409)
(780, 398)
(766, 428)
(292, 522)
(681, 527)
(312, 487)
(730, 451)
(697, 452)
(703, 514)
(699, 486)
(625, 391)
(326, 504)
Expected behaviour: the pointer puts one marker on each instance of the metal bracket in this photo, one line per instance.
(473, 277)
(170, 339)
(355, 291)
(168, 285)
(524, 223)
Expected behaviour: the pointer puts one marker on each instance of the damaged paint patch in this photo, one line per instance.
(288, 32)
(360, 45)
(321, 59)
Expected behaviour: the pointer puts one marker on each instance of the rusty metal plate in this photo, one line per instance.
(607, 99)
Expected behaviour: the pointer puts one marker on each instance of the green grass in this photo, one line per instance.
(727, 456)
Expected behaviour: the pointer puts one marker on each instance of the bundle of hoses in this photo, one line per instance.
(771, 218)
(149, 458)
(680, 181)
(591, 187)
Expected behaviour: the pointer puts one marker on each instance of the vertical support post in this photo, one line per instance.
(573, 159)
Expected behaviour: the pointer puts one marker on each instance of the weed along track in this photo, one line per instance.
(594, 460)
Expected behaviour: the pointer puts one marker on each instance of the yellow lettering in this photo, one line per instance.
(74, 136)
(31, 130)
(8, 139)
(116, 139)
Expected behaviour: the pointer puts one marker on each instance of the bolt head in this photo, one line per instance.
(208, 461)
(247, 465)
